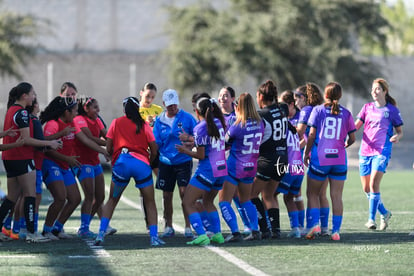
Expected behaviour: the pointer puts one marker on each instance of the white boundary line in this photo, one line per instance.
(222, 253)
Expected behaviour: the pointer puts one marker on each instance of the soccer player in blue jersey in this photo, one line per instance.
(325, 156)
(379, 118)
(211, 171)
(244, 137)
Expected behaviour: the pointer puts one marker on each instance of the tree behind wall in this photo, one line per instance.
(289, 41)
(17, 33)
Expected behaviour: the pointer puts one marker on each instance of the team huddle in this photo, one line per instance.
(244, 155)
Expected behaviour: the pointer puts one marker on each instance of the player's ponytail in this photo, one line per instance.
(18, 91)
(206, 108)
(131, 109)
(333, 92)
(384, 85)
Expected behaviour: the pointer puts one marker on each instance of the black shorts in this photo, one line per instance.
(168, 175)
(269, 169)
(16, 168)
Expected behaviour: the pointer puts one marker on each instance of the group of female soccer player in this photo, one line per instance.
(244, 155)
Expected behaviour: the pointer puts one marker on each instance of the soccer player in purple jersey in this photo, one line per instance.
(244, 138)
(211, 171)
(314, 98)
(379, 118)
(325, 157)
(291, 183)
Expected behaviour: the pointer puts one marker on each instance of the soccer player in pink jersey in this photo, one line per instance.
(379, 118)
(325, 156)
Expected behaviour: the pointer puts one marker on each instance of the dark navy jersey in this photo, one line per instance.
(274, 147)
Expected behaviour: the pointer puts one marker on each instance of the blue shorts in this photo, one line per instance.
(290, 184)
(52, 172)
(235, 181)
(367, 164)
(39, 181)
(206, 181)
(87, 171)
(127, 166)
(336, 172)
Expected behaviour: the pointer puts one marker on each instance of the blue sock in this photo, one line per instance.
(7, 223)
(22, 223)
(269, 225)
(36, 222)
(85, 220)
(214, 219)
(153, 230)
(381, 208)
(336, 223)
(16, 226)
(58, 226)
(374, 200)
(294, 219)
(312, 217)
(47, 229)
(301, 218)
(104, 224)
(196, 223)
(204, 219)
(251, 213)
(324, 217)
(229, 216)
(242, 213)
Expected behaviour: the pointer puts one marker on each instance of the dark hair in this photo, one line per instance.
(384, 85)
(302, 90)
(84, 102)
(131, 109)
(269, 91)
(56, 108)
(198, 95)
(209, 109)
(30, 108)
(231, 91)
(18, 91)
(314, 95)
(67, 85)
(287, 97)
(149, 86)
(333, 92)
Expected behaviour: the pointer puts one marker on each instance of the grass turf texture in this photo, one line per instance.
(360, 251)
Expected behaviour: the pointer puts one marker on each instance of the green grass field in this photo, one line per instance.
(360, 251)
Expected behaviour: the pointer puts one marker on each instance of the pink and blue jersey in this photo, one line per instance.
(245, 143)
(294, 154)
(331, 133)
(378, 128)
(214, 163)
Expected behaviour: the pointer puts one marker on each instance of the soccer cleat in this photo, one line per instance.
(61, 235)
(384, 221)
(335, 236)
(110, 230)
(234, 237)
(3, 237)
(6, 231)
(188, 233)
(155, 241)
(14, 236)
(50, 236)
(371, 224)
(99, 238)
(168, 232)
(314, 231)
(86, 234)
(200, 240)
(294, 233)
(276, 234)
(266, 235)
(324, 232)
(22, 234)
(254, 236)
(36, 238)
(247, 231)
(217, 238)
